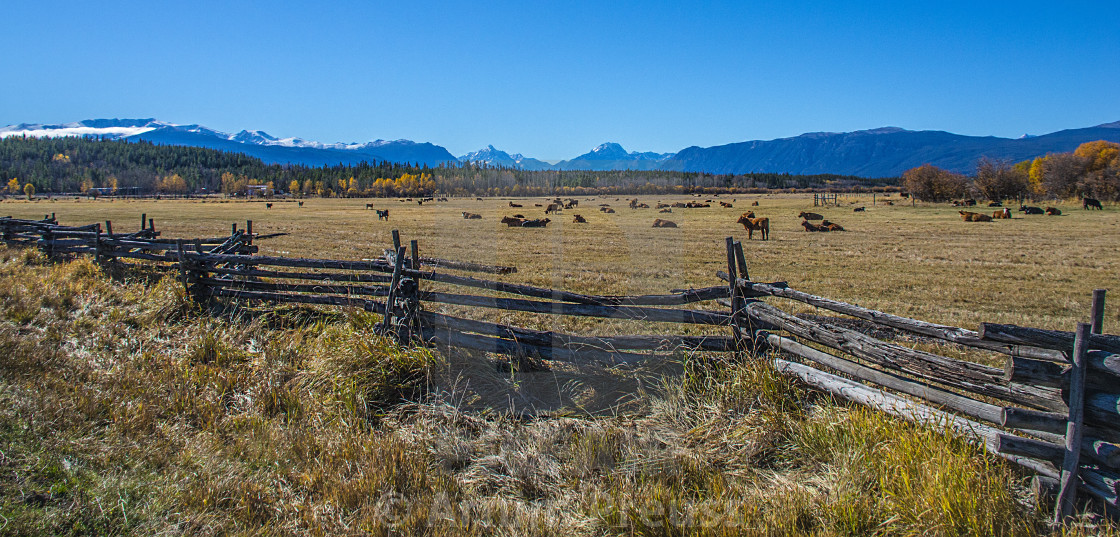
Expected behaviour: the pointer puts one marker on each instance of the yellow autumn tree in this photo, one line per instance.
(293, 187)
(29, 189)
(1099, 154)
(172, 184)
(13, 185)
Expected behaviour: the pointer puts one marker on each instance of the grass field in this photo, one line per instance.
(123, 410)
(921, 261)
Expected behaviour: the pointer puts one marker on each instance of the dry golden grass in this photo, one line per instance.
(921, 261)
(126, 410)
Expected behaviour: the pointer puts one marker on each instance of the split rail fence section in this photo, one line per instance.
(1053, 408)
(1059, 392)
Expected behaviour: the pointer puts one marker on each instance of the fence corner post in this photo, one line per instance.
(1067, 491)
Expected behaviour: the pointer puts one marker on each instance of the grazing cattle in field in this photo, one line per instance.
(1004, 213)
(634, 203)
(859, 209)
(1053, 211)
(512, 204)
(1090, 202)
(974, 217)
(752, 224)
(809, 216)
(995, 204)
(666, 210)
(754, 204)
(471, 216)
(512, 222)
(383, 215)
(540, 222)
(606, 209)
(1031, 210)
(268, 206)
(579, 220)
(369, 206)
(664, 223)
(301, 204)
(552, 208)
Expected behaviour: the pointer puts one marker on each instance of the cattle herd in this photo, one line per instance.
(810, 221)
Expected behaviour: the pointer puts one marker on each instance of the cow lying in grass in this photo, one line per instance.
(1004, 213)
(752, 224)
(471, 216)
(539, 222)
(663, 223)
(1053, 211)
(579, 220)
(606, 209)
(512, 222)
(1031, 210)
(974, 217)
(830, 226)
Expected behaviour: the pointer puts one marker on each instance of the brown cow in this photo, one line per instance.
(471, 216)
(552, 208)
(727, 205)
(634, 203)
(666, 210)
(810, 226)
(579, 220)
(512, 204)
(754, 204)
(809, 216)
(1053, 211)
(369, 206)
(663, 223)
(1001, 214)
(751, 224)
(974, 217)
(606, 209)
(830, 226)
(512, 222)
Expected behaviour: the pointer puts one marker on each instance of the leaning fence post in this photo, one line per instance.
(741, 260)
(396, 240)
(398, 266)
(733, 287)
(1098, 311)
(1067, 492)
(415, 255)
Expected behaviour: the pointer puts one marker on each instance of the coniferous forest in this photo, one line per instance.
(88, 165)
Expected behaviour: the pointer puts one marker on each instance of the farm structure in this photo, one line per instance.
(1053, 408)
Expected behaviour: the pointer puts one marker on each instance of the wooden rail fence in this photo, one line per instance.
(1053, 407)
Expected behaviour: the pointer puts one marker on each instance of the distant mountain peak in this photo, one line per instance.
(1113, 125)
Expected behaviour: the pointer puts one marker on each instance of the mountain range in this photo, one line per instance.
(882, 152)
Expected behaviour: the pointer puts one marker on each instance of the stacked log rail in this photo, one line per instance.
(1028, 403)
(363, 283)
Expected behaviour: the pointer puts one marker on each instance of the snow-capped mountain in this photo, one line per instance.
(259, 144)
(611, 156)
(496, 157)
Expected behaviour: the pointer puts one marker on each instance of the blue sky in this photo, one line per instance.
(554, 79)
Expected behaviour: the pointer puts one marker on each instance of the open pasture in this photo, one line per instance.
(920, 261)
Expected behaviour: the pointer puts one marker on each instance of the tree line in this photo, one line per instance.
(1090, 171)
(94, 166)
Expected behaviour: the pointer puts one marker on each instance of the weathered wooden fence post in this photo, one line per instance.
(1067, 491)
(1097, 315)
(733, 287)
(394, 284)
